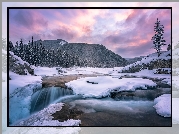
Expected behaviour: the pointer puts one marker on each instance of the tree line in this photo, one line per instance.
(36, 54)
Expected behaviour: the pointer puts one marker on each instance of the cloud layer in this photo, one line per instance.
(127, 32)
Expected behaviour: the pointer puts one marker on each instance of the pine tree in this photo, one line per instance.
(158, 40)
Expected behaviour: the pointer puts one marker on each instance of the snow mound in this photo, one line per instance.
(175, 110)
(40, 130)
(101, 86)
(44, 118)
(163, 105)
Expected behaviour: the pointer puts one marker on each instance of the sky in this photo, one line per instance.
(127, 32)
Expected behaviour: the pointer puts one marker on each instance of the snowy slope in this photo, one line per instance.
(145, 63)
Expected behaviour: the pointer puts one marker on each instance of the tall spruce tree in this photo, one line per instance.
(158, 40)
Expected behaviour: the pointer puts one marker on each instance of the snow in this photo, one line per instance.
(106, 84)
(167, 81)
(175, 110)
(18, 81)
(151, 57)
(44, 118)
(62, 43)
(19, 60)
(148, 73)
(88, 70)
(163, 105)
(45, 71)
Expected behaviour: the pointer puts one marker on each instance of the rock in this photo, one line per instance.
(92, 82)
(66, 113)
(140, 94)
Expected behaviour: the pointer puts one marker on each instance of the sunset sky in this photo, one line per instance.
(127, 32)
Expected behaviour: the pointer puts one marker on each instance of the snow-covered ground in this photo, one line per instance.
(45, 71)
(103, 85)
(80, 86)
(163, 105)
(44, 118)
(152, 57)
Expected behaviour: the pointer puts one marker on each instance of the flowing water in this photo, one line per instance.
(101, 112)
(42, 98)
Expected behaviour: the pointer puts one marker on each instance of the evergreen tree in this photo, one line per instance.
(158, 40)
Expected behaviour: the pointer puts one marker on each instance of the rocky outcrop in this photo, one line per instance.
(17, 65)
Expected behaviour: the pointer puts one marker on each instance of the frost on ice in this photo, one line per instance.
(163, 105)
(44, 118)
(101, 86)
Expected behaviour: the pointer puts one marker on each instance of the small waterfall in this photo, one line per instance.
(45, 96)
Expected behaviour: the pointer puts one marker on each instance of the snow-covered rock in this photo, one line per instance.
(101, 86)
(17, 65)
(44, 118)
(163, 105)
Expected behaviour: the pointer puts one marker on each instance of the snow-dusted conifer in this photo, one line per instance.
(158, 40)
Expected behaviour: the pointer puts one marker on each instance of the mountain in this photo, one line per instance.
(51, 44)
(94, 55)
(91, 55)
